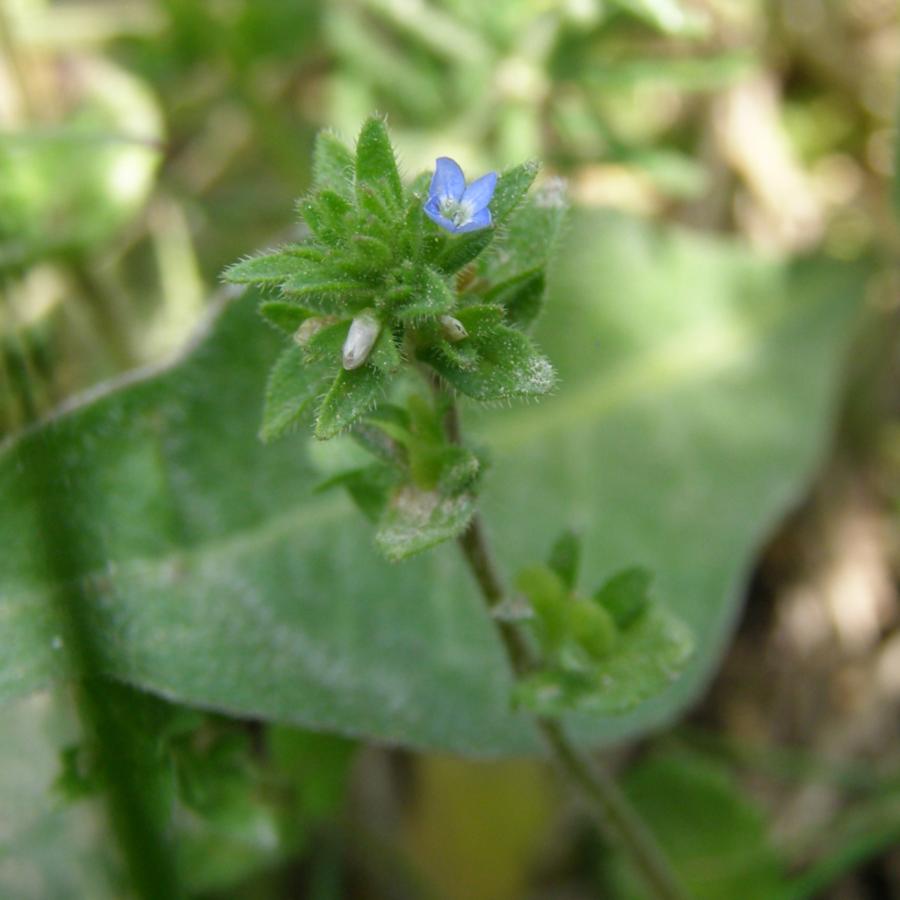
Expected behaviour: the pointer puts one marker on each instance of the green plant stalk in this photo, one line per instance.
(145, 848)
(609, 806)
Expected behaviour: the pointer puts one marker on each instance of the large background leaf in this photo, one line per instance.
(697, 384)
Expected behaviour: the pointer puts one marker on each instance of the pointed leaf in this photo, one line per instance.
(272, 268)
(376, 166)
(512, 186)
(332, 165)
(352, 395)
(285, 316)
(430, 297)
(293, 386)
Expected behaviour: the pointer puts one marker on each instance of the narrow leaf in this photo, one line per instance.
(332, 165)
(271, 268)
(511, 188)
(285, 316)
(431, 296)
(352, 394)
(376, 166)
(292, 388)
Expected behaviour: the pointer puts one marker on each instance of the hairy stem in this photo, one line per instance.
(610, 807)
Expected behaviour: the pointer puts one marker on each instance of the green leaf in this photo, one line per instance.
(285, 316)
(417, 519)
(713, 834)
(697, 392)
(507, 366)
(459, 251)
(512, 186)
(624, 669)
(625, 596)
(376, 167)
(432, 296)
(332, 165)
(272, 268)
(293, 387)
(522, 296)
(565, 557)
(352, 394)
(666, 15)
(326, 292)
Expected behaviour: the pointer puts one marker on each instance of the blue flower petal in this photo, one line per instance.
(481, 219)
(431, 210)
(448, 180)
(479, 192)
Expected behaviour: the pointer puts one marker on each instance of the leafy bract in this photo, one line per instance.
(696, 391)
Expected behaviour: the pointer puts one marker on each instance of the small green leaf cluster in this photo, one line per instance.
(604, 653)
(420, 490)
(377, 286)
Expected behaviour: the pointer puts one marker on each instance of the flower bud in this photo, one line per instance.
(364, 331)
(452, 329)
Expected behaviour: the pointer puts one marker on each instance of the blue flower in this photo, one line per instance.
(455, 206)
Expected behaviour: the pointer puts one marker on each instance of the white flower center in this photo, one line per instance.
(459, 212)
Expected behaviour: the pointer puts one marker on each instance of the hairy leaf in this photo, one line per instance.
(697, 387)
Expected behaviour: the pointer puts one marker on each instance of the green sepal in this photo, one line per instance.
(272, 268)
(417, 519)
(332, 165)
(284, 315)
(376, 166)
(291, 391)
(351, 395)
(508, 365)
(512, 186)
(565, 558)
(431, 296)
(625, 596)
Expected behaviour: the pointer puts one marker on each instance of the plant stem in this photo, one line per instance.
(610, 807)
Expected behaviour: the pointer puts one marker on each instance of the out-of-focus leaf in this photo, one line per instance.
(713, 835)
(696, 394)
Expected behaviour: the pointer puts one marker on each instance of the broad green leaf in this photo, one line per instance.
(697, 390)
(293, 387)
(417, 519)
(714, 836)
(376, 167)
(332, 165)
